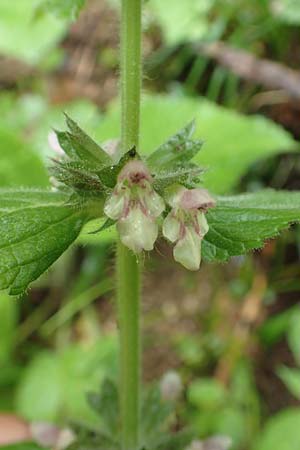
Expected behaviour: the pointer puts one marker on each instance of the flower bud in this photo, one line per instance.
(171, 386)
(48, 435)
(186, 224)
(136, 206)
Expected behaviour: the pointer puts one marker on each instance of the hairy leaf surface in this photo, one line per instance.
(35, 229)
(243, 222)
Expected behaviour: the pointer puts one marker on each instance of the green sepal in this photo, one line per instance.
(64, 140)
(108, 176)
(79, 145)
(188, 176)
(78, 176)
(176, 151)
(86, 177)
(107, 224)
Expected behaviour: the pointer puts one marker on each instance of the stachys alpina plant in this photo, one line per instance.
(144, 197)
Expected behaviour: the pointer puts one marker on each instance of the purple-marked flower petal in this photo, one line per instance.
(115, 205)
(154, 204)
(136, 206)
(186, 224)
(54, 143)
(171, 228)
(196, 199)
(187, 251)
(137, 231)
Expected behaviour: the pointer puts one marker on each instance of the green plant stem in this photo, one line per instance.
(128, 271)
(131, 71)
(128, 274)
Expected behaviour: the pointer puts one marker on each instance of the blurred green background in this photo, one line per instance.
(232, 332)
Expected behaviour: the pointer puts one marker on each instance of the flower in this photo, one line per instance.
(54, 143)
(171, 386)
(136, 206)
(186, 224)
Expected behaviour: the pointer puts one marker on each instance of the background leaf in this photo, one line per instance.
(67, 9)
(185, 21)
(37, 114)
(55, 384)
(293, 335)
(282, 429)
(291, 378)
(232, 142)
(19, 164)
(287, 11)
(22, 36)
(40, 388)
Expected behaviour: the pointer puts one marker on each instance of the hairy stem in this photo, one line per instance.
(131, 71)
(128, 271)
(128, 304)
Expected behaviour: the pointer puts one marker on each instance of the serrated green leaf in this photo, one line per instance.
(243, 222)
(83, 145)
(177, 150)
(154, 414)
(35, 229)
(106, 404)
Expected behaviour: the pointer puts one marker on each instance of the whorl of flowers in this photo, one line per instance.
(141, 196)
(137, 208)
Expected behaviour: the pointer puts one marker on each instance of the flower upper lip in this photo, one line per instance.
(196, 199)
(134, 172)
